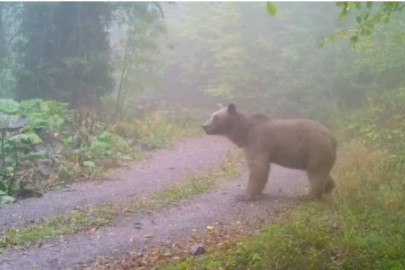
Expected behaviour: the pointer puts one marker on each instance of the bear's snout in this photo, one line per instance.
(204, 127)
(208, 128)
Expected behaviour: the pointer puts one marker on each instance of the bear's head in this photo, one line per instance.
(221, 121)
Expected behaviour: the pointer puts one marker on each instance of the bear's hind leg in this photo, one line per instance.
(318, 183)
(330, 185)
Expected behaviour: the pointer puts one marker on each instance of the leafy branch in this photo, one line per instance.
(370, 16)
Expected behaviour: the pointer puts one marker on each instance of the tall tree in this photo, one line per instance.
(67, 52)
(2, 38)
(10, 15)
(137, 60)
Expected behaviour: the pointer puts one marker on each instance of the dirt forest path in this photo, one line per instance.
(192, 156)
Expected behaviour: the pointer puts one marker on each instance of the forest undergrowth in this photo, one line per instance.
(45, 145)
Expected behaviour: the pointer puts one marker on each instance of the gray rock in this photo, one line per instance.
(50, 154)
(11, 123)
(197, 249)
(44, 167)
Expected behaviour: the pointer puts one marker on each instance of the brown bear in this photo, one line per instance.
(292, 143)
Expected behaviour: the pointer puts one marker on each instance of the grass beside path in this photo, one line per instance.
(361, 227)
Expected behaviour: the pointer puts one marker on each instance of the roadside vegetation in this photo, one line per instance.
(43, 148)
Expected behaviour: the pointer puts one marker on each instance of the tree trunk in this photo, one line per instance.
(2, 38)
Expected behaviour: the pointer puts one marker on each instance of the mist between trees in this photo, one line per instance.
(109, 56)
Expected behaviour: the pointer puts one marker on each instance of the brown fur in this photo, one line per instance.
(293, 143)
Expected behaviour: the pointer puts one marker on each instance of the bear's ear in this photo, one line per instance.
(231, 108)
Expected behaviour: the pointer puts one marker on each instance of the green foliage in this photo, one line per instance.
(159, 128)
(105, 146)
(271, 8)
(9, 106)
(45, 148)
(366, 16)
(382, 120)
(4, 198)
(381, 55)
(39, 114)
(17, 164)
(65, 175)
(48, 115)
(20, 166)
(20, 140)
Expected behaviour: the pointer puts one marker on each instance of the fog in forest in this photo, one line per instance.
(103, 152)
(195, 56)
(112, 77)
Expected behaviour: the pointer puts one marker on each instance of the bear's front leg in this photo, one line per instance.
(259, 169)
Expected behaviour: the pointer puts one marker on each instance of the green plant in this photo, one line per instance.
(7, 124)
(43, 147)
(382, 121)
(48, 115)
(160, 127)
(22, 148)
